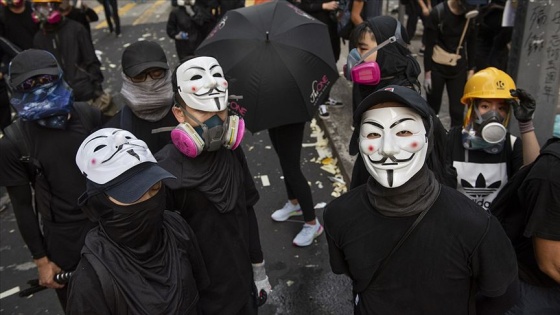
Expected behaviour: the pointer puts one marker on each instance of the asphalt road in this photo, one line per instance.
(301, 277)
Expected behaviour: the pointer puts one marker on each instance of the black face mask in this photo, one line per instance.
(137, 227)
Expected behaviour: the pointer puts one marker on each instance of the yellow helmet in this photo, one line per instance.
(46, 1)
(488, 83)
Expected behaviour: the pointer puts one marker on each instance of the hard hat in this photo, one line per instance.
(488, 83)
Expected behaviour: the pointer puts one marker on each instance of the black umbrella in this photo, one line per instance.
(278, 58)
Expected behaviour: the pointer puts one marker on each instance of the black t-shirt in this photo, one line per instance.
(540, 193)
(431, 272)
(481, 175)
(56, 152)
(224, 237)
(144, 130)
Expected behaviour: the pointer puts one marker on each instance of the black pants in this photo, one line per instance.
(286, 141)
(111, 9)
(455, 88)
(414, 12)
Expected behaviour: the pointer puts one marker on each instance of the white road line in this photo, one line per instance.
(9, 292)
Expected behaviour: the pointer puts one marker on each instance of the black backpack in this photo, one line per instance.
(508, 207)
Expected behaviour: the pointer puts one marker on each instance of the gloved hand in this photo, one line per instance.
(525, 109)
(182, 36)
(428, 85)
(261, 282)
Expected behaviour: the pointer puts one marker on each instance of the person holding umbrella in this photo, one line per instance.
(214, 189)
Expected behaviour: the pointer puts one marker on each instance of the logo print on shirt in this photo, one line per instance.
(480, 190)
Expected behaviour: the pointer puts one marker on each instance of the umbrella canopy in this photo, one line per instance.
(277, 58)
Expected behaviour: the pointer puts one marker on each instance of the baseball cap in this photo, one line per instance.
(143, 55)
(394, 93)
(131, 185)
(30, 63)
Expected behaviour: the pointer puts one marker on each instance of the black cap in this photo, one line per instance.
(394, 93)
(130, 185)
(30, 63)
(143, 55)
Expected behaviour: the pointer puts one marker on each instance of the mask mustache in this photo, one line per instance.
(394, 160)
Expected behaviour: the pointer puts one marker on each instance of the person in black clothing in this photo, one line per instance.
(396, 66)
(111, 9)
(54, 130)
(186, 25)
(81, 13)
(140, 259)
(214, 189)
(455, 245)
(538, 248)
(71, 44)
(444, 28)
(17, 28)
(146, 96)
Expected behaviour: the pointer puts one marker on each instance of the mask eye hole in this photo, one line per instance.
(99, 147)
(196, 77)
(404, 133)
(373, 135)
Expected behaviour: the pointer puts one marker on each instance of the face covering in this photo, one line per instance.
(49, 104)
(393, 144)
(150, 100)
(486, 133)
(201, 84)
(137, 227)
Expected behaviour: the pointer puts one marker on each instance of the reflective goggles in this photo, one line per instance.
(153, 73)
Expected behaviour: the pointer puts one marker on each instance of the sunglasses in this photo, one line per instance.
(36, 81)
(153, 73)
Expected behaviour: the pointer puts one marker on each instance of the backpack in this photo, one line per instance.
(345, 25)
(90, 118)
(508, 207)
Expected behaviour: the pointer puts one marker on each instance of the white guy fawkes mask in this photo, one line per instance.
(393, 144)
(201, 84)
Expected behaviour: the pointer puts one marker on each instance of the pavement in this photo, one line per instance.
(301, 277)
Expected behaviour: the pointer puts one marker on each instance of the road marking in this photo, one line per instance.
(147, 15)
(122, 11)
(9, 292)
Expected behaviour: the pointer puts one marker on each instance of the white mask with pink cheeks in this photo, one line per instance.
(202, 85)
(393, 144)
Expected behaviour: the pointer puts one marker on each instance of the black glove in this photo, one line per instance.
(525, 109)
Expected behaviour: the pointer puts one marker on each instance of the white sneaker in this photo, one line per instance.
(323, 112)
(289, 210)
(309, 232)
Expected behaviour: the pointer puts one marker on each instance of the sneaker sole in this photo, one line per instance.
(317, 234)
(284, 218)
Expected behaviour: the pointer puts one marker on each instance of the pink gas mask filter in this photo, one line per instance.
(361, 72)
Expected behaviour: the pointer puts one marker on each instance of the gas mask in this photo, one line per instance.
(201, 84)
(393, 144)
(46, 13)
(484, 131)
(368, 73)
(209, 135)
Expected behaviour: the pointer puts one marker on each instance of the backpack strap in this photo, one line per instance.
(113, 296)
(439, 11)
(89, 116)
(17, 135)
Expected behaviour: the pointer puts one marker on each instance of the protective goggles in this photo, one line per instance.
(36, 81)
(153, 73)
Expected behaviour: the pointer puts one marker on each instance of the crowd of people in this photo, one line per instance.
(155, 213)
